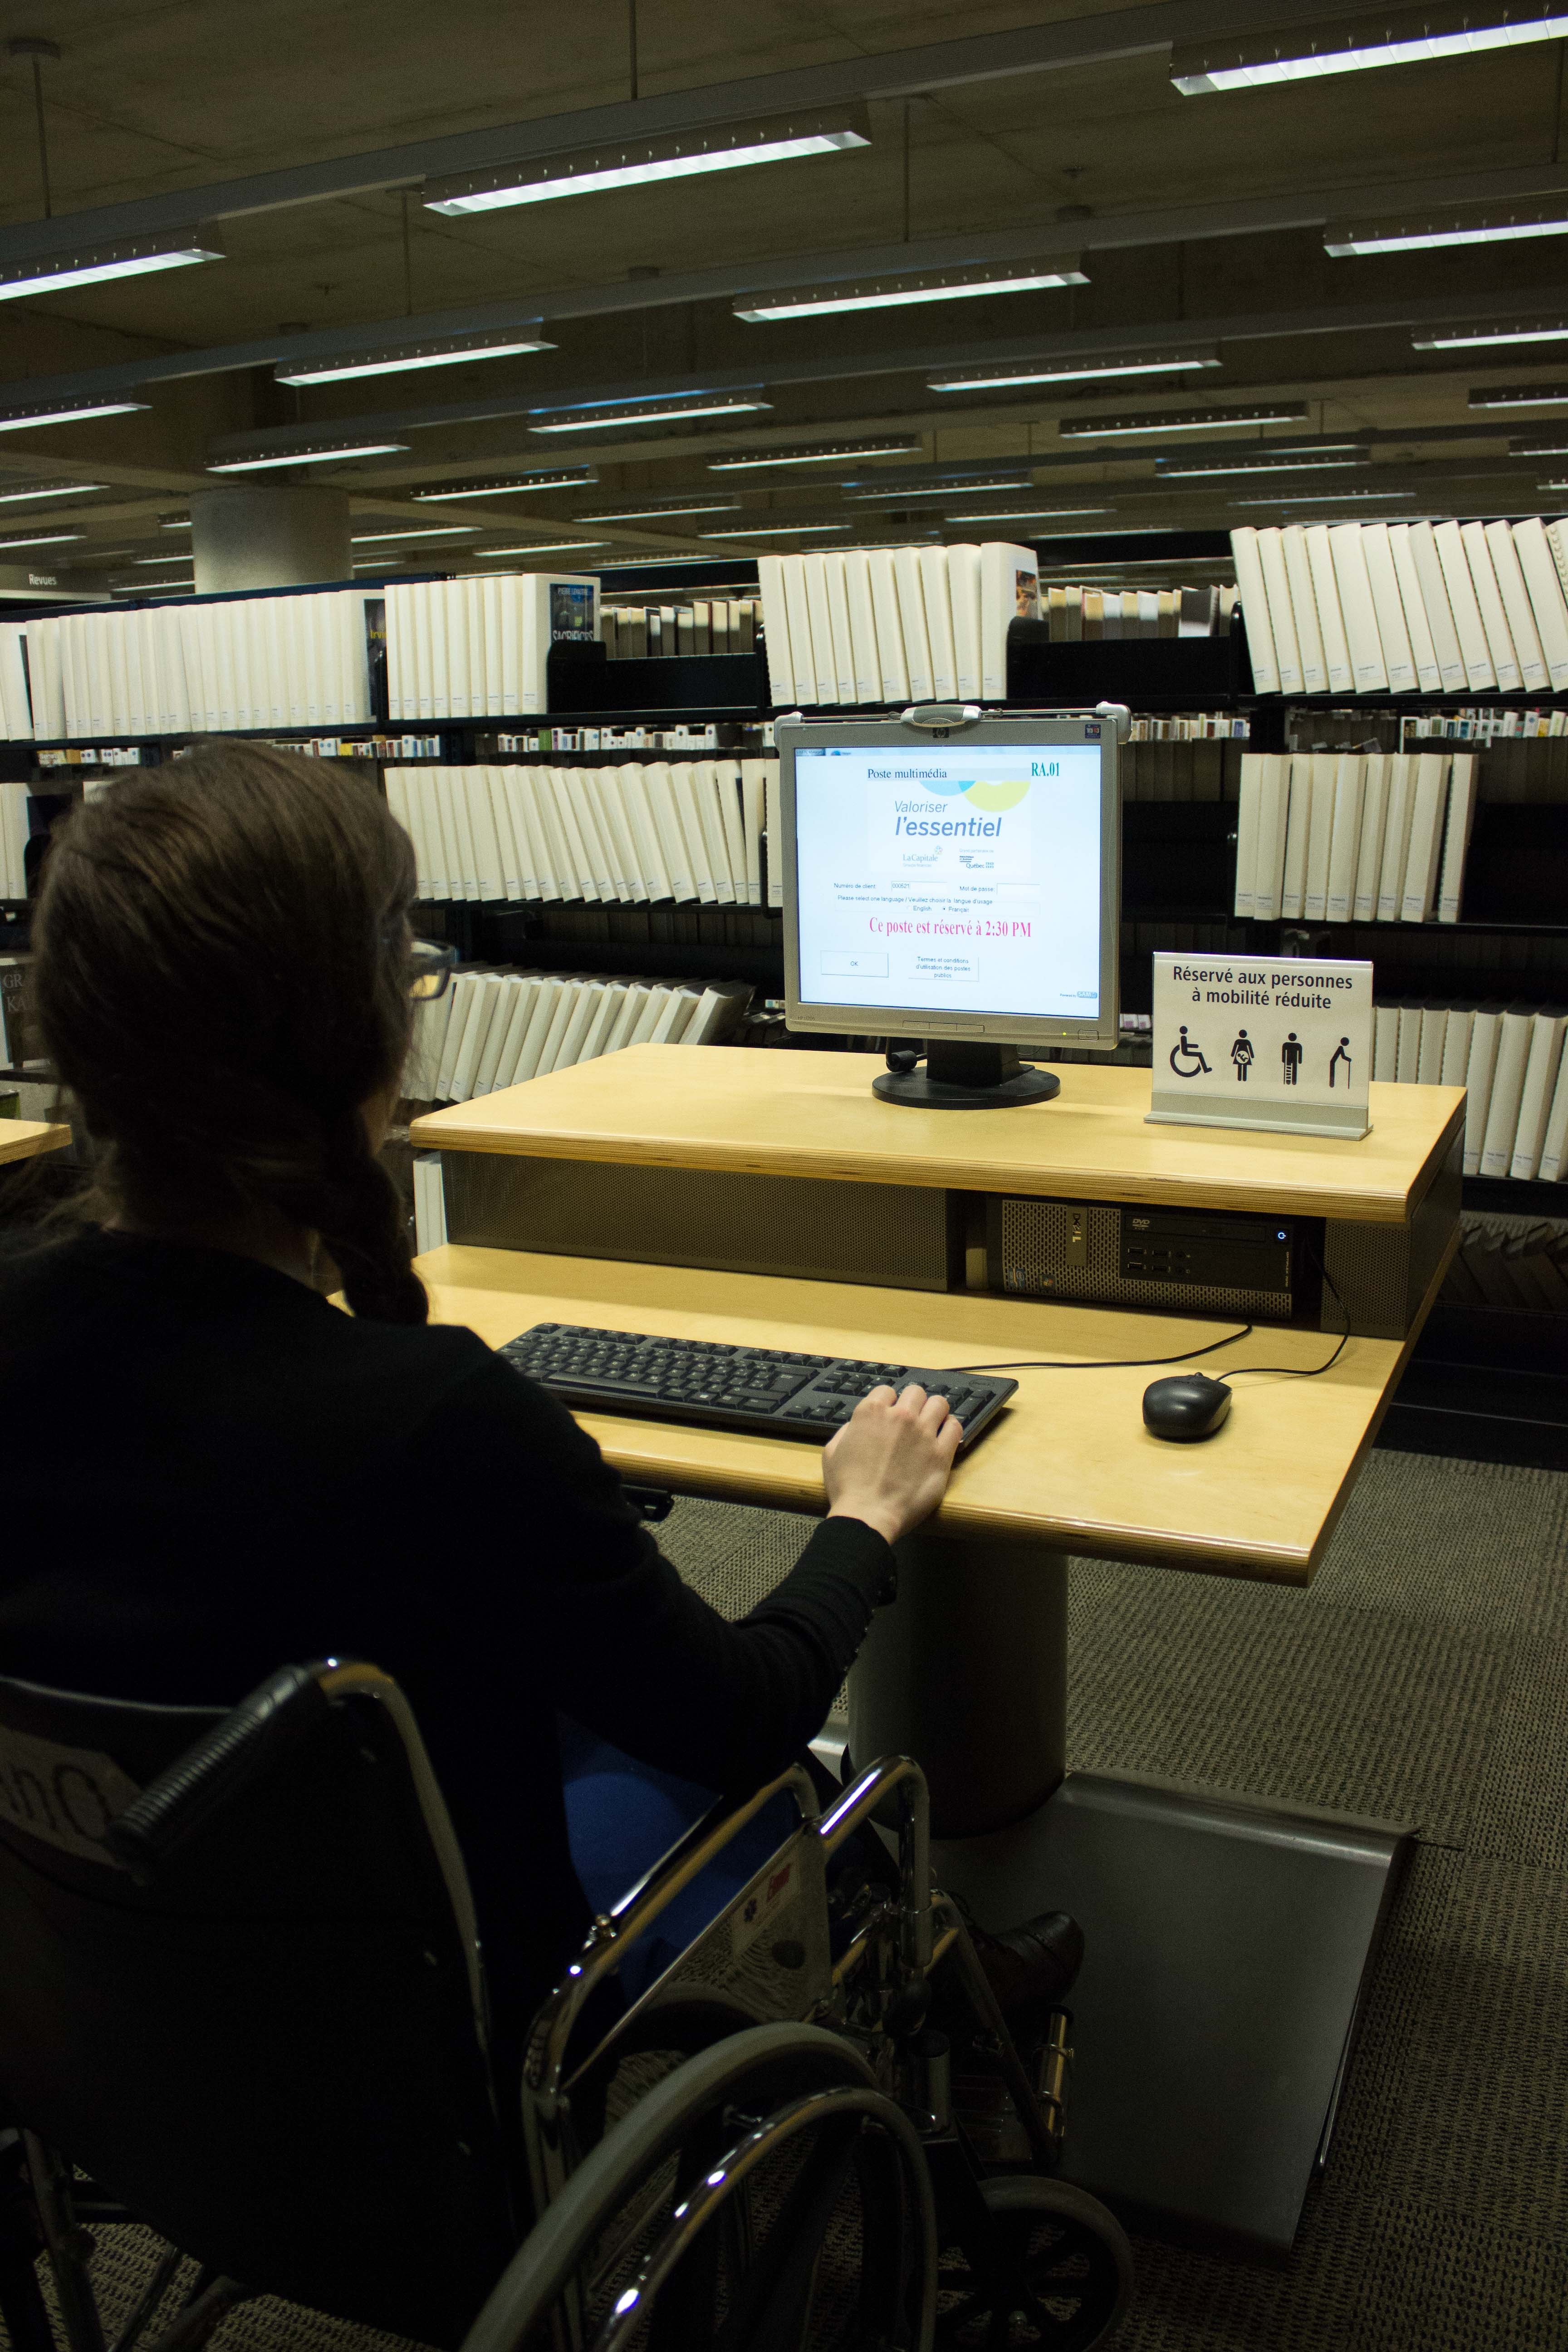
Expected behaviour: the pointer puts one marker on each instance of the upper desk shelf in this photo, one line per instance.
(814, 1115)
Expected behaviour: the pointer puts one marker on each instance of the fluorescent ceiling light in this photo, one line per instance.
(1028, 514)
(820, 453)
(44, 539)
(1468, 339)
(775, 530)
(893, 293)
(24, 493)
(660, 412)
(1183, 420)
(131, 256)
(401, 357)
(1325, 499)
(416, 530)
(1464, 225)
(549, 547)
(887, 494)
(640, 162)
(1068, 370)
(1520, 396)
(174, 522)
(64, 411)
(174, 558)
(314, 453)
(1354, 45)
(662, 563)
(1296, 461)
(558, 477)
(653, 514)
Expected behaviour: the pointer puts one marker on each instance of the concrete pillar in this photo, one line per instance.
(270, 535)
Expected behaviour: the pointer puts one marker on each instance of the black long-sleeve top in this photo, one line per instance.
(214, 1473)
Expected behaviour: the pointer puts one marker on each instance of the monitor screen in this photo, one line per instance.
(956, 879)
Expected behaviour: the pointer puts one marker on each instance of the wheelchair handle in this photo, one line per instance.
(898, 1775)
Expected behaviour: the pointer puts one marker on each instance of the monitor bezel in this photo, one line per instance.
(1102, 1032)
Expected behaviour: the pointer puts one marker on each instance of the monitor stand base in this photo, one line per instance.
(968, 1077)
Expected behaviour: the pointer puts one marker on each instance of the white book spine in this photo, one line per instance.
(1418, 629)
(1408, 1067)
(1388, 608)
(1304, 610)
(1479, 675)
(775, 626)
(774, 835)
(1298, 830)
(1457, 837)
(1320, 837)
(862, 626)
(511, 647)
(1009, 591)
(912, 620)
(1439, 612)
(495, 662)
(1456, 1045)
(1429, 806)
(1535, 1096)
(689, 815)
(1384, 1044)
(1554, 1144)
(1396, 836)
(752, 820)
(646, 840)
(1547, 604)
(1490, 604)
(1350, 789)
(1434, 1034)
(1331, 617)
(938, 595)
(818, 605)
(1281, 620)
(1508, 1091)
(889, 626)
(726, 780)
(803, 648)
(468, 874)
(1522, 629)
(1273, 816)
(838, 622)
(1247, 814)
(1254, 609)
(1369, 849)
(963, 589)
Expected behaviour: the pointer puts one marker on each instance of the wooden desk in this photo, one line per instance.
(25, 1139)
(1069, 1465)
(758, 1112)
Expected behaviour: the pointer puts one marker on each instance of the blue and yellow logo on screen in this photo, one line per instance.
(1005, 792)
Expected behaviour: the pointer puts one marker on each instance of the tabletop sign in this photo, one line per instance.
(1276, 1042)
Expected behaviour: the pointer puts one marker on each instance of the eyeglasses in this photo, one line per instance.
(430, 965)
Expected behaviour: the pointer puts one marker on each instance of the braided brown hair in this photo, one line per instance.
(221, 981)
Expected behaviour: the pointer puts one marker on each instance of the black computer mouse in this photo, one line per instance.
(1187, 1407)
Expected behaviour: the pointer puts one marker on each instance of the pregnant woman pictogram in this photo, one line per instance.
(1241, 1055)
(1183, 1050)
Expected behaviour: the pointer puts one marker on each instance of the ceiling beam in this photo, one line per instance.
(1108, 38)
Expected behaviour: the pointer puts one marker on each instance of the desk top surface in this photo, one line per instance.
(23, 1138)
(1069, 1463)
(813, 1113)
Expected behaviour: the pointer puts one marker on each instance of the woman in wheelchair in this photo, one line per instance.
(226, 1473)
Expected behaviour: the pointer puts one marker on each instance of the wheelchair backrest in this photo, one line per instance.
(241, 1988)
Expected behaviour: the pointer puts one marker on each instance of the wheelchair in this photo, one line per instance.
(814, 2132)
(243, 2004)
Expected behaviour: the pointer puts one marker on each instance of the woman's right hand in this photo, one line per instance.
(888, 1465)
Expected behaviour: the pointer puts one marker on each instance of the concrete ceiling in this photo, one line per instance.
(1199, 220)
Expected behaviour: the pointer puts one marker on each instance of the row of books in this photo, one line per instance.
(1394, 608)
(237, 663)
(647, 830)
(497, 1027)
(477, 647)
(14, 825)
(1078, 613)
(1510, 1266)
(1477, 726)
(429, 1203)
(1508, 1059)
(704, 625)
(679, 735)
(894, 624)
(1200, 727)
(1354, 836)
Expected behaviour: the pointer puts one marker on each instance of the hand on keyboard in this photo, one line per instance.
(890, 1463)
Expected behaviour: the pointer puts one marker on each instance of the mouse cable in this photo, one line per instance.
(1105, 1363)
(1309, 1371)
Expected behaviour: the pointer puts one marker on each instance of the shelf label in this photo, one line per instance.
(1276, 1041)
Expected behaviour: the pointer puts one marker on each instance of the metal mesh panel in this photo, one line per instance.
(1033, 1238)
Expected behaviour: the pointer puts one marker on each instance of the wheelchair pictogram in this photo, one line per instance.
(1186, 1050)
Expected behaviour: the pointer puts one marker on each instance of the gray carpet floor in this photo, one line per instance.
(1424, 1677)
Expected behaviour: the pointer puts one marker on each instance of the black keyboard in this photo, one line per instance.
(769, 1389)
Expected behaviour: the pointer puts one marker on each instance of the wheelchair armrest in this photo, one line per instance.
(215, 1769)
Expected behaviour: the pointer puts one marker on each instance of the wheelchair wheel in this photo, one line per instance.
(1063, 2279)
(765, 2195)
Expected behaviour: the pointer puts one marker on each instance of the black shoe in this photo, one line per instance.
(1033, 1967)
